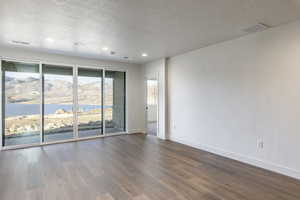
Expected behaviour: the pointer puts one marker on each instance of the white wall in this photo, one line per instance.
(157, 69)
(225, 98)
(133, 75)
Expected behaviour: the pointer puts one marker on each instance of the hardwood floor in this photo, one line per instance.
(134, 167)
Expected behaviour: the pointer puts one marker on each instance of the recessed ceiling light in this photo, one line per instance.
(105, 48)
(144, 54)
(50, 40)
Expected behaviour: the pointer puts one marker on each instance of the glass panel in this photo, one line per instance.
(89, 102)
(152, 104)
(58, 103)
(21, 103)
(114, 102)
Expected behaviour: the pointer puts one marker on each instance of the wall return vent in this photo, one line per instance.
(256, 28)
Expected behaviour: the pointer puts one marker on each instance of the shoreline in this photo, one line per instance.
(60, 120)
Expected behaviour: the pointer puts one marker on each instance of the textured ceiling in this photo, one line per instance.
(160, 28)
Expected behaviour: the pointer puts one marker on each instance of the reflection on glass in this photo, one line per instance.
(21, 98)
(58, 103)
(89, 102)
(114, 102)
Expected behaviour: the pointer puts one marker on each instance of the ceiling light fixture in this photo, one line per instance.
(105, 48)
(144, 54)
(50, 40)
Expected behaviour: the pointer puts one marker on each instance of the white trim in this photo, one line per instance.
(134, 131)
(242, 158)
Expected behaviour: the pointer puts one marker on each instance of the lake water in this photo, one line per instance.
(16, 109)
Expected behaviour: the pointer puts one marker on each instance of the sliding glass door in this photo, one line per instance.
(20, 103)
(44, 103)
(114, 102)
(58, 97)
(89, 93)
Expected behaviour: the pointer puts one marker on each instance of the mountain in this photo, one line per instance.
(27, 90)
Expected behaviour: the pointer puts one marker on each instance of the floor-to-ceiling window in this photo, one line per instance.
(89, 102)
(20, 103)
(58, 116)
(43, 103)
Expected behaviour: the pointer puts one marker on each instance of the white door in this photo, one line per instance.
(152, 107)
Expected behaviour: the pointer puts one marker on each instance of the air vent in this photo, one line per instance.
(257, 28)
(20, 42)
(78, 44)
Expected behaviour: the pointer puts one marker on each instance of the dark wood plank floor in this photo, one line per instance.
(134, 167)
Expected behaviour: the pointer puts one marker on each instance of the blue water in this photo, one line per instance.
(16, 109)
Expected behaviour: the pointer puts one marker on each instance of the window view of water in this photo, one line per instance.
(90, 110)
(21, 87)
(18, 109)
(22, 97)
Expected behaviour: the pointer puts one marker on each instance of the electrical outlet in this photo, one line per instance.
(260, 144)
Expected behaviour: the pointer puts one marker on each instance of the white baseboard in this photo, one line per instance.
(133, 131)
(245, 159)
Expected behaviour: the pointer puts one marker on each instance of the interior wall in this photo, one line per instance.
(134, 79)
(238, 96)
(157, 69)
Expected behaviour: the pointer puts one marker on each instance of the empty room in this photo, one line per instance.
(150, 100)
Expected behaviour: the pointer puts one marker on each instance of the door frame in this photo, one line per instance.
(153, 76)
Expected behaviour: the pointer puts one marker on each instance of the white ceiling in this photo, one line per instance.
(160, 28)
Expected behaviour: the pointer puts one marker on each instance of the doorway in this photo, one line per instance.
(152, 107)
